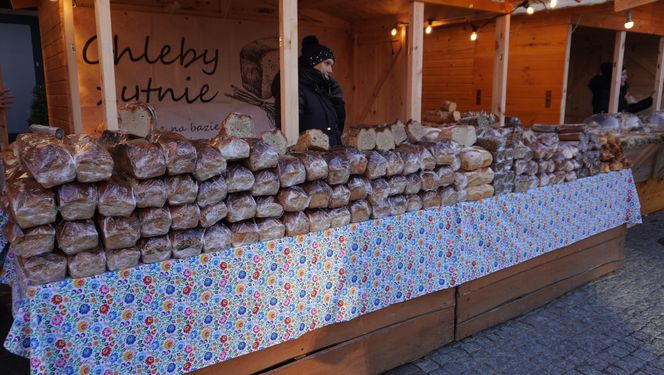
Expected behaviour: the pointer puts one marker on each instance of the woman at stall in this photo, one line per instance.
(600, 85)
(321, 103)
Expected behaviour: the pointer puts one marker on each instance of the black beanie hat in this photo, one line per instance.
(314, 53)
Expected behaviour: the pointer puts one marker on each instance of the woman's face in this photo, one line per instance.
(623, 77)
(325, 67)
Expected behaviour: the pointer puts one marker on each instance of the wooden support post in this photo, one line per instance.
(288, 43)
(106, 63)
(499, 91)
(568, 51)
(618, 56)
(415, 57)
(4, 125)
(72, 68)
(659, 76)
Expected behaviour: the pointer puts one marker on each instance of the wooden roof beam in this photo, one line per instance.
(22, 4)
(479, 5)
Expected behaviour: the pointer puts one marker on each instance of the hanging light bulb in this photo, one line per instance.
(553, 3)
(473, 35)
(429, 28)
(629, 22)
(393, 32)
(530, 9)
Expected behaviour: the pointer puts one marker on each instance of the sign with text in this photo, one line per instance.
(193, 72)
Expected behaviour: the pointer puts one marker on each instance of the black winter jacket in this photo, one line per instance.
(321, 104)
(600, 85)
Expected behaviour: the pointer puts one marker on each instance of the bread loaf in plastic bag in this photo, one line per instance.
(473, 158)
(93, 160)
(430, 180)
(314, 164)
(149, 193)
(155, 249)
(380, 190)
(480, 176)
(184, 216)
(44, 268)
(119, 259)
(244, 233)
(318, 220)
(32, 241)
(47, 159)
(339, 217)
(357, 160)
(232, 148)
(182, 189)
(87, 263)
(319, 192)
(140, 159)
(359, 187)
(340, 196)
(291, 171)
(76, 236)
(397, 184)
(186, 243)
(178, 151)
(376, 165)
(296, 223)
(261, 156)
(448, 196)
(217, 237)
(444, 152)
(445, 176)
(209, 162)
(411, 159)
(395, 164)
(77, 201)
(338, 168)
(116, 197)
(413, 202)
(267, 183)
(398, 205)
(241, 206)
(430, 199)
(270, 229)
(475, 193)
(380, 209)
(293, 199)
(119, 232)
(268, 207)
(414, 184)
(360, 210)
(212, 191)
(239, 178)
(30, 205)
(154, 221)
(212, 214)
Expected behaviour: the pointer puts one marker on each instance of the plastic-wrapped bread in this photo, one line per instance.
(291, 171)
(30, 242)
(232, 148)
(340, 196)
(380, 190)
(398, 205)
(77, 201)
(475, 193)
(241, 206)
(155, 249)
(244, 233)
(428, 161)
(360, 210)
(546, 179)
(293, 199)
(395, 164)
(444, 152)
(357, 160)
(93, 161)
(460, 181)
(212, 191)
(318, 220)
(523, 183)
(116, 197)
(209, 162)
(376, 165)
(184, 216)
(480, 176)
(268, 207)
(270, 229)
(570, 176)
(212, 214)
(462, 195)
(523, 166)
(180, 154)
(314, 164)
(120, 259)
(140, 159)
(44, 268)
(48, 160)
(87, 263)
(397, 184)
(430, 199)
(296, 223)
(359, 188)
(267, 183)
(239, 178)
(320, 193)
(413, 202)
(445, 176)
(456, 163)
(339, 217)
(29, 204)
(76, 236)
(149, 193)
(473, 158)
(216, 238)
(186, 243)
(430, 180)
(380, 209)
(414, 184)
(119, 232)
(182, 189)
(448, 196)
(261, 156)
(338, 168)
(154, 221)
(411, 159)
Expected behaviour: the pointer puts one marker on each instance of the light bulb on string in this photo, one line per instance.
(393, 32)
(629, 22)
(473, 35)
(553, 3)
(429, 28)
(530, 9)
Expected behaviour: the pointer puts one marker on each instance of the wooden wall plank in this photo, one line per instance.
(659, 76)
(288, 51)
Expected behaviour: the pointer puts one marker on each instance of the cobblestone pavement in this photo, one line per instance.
(614, 325)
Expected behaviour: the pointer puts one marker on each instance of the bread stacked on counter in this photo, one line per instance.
(611, 154)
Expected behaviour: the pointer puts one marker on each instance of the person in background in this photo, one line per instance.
(600, 85)
(321, 103)
(6, 100)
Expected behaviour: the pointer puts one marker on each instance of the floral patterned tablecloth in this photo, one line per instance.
(181, 315)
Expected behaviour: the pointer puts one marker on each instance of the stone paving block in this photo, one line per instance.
(613, 370)
(407, 369)
(426, 365)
